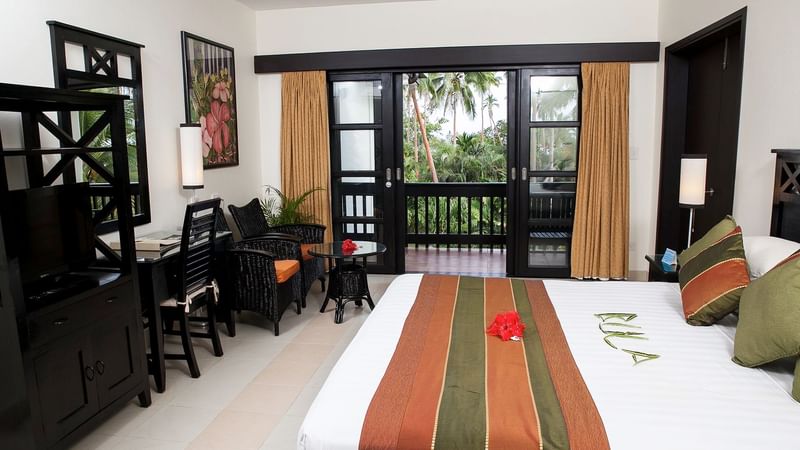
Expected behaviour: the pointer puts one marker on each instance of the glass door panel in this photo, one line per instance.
(549, 139)
(362, 162)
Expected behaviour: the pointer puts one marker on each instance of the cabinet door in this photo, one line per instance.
(64, 380)
(118, 358)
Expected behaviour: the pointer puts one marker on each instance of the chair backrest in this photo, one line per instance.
(197, 246)
(249, 219)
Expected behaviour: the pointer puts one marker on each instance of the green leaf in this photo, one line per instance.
(640, 357)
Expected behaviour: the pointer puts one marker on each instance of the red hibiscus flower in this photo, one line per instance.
(507, 325)
(348, 246)
(216, 133)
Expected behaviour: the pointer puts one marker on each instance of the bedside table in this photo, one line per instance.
(661, 272)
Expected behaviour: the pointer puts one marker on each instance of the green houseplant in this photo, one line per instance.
(280, 209)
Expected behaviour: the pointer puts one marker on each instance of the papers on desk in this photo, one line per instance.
(153, 243)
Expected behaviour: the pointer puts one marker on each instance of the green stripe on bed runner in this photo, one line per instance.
(551, 421)
(461, 422)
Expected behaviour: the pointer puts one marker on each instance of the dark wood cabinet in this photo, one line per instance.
(79, 374)
(117, 358)
(65, 390)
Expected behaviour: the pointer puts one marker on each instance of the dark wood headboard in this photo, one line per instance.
(786, 196)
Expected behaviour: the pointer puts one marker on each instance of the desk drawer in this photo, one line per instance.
(80, 314)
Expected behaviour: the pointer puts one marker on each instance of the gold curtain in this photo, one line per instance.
(305, 145)
(600, 234)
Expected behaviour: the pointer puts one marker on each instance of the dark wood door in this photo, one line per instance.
(545, 174)
(117, 357)
(365, 172)
(709, 124)
(65, 381)
(703, 78)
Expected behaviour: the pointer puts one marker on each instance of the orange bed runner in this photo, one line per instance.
(449, 385)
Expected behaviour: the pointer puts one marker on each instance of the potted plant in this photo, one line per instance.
(280, 209)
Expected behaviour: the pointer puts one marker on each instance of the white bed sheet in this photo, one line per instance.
(693, 397)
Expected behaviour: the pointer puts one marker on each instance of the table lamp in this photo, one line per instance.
(692, 187)
(191, 158)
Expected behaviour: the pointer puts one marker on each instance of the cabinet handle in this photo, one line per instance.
(111, 299)
(524, 173)
(89, 372)
(513, 174)
(100, 366)
(61, 321)
(399, 174)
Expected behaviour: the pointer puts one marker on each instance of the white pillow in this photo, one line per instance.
(764, 252)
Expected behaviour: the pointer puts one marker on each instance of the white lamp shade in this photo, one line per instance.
(693, 180)
(191, 156)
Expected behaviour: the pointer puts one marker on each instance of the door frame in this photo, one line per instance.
(388, 161)
(673, 131)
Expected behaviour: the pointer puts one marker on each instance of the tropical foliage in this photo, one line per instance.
(437, 98)
(280, 209)
(103, 140)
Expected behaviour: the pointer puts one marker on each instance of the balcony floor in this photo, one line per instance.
(456, 262)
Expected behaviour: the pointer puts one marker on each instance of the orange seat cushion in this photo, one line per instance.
(285, 268)
(304, 248)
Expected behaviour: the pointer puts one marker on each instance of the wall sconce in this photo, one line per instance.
(191, 157)
(692, 187)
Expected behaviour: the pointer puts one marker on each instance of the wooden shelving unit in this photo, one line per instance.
(74, 361)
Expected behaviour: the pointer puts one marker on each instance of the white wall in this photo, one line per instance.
(157, 24)
(770, 91)
(478, 22)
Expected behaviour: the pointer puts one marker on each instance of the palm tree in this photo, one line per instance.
(452, 90)
(489, 103)
(414, 80)
(483, 82)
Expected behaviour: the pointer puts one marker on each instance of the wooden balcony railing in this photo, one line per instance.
(456, 215)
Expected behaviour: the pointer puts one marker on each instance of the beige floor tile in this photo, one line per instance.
(305, 352)
(236, 430)
(284, 436)
(97, 441)
(128, 419)
(126, 443)
(265, 399)
(287, 373)
(175, 423)
(304, 400)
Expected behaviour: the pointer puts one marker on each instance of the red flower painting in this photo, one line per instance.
(507, 325)
(210, 91)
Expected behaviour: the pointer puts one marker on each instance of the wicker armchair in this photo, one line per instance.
(251, 223)
(265, 275)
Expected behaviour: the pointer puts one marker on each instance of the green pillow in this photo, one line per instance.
(716, 233)
(769, 319)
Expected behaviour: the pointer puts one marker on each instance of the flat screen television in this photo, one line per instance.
(49, 230)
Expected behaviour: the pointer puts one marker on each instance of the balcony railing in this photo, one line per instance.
(456, 215)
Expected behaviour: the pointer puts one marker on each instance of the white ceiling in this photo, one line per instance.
(261, 5)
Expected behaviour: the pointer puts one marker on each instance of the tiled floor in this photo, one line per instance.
(254, 397)
(453, 261)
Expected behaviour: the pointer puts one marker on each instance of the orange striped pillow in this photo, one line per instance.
(712, 281)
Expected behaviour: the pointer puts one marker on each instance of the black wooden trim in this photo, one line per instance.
(467, 56)
(92, 33)
(669, 218)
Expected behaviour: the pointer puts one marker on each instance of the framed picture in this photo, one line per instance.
(210, 94)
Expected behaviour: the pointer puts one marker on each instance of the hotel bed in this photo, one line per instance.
(390, 389)
(692, 396)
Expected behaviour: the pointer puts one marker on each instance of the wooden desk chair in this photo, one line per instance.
(195, 284)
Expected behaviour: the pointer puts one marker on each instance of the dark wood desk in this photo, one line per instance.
(157, 274)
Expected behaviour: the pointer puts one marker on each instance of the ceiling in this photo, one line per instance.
(261, 5)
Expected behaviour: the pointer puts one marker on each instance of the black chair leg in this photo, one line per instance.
(277, 329)
(322, 282)
(212, 328)
(188, 350)
(169, 324)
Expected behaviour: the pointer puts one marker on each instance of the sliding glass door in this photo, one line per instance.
(549, 123)
(364, 169)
